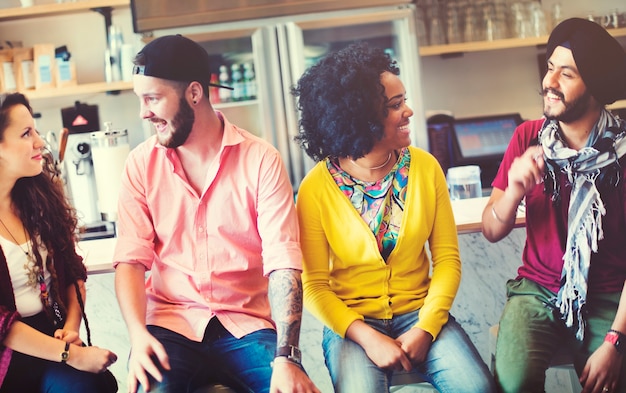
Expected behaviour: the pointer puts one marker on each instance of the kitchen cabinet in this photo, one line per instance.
(53, 9)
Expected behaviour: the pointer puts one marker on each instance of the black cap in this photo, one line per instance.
(600, 59)
(176, 58)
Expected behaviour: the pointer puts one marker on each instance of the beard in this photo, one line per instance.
(573, 111)
(181, 125)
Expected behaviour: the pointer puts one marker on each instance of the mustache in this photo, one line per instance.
(555, 92)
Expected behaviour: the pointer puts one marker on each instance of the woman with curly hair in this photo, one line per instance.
(41, 276)
(367, 211)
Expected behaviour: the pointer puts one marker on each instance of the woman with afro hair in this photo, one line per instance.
(367, 212)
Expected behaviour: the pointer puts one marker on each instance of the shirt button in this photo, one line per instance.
(201, 256)
(200, 229)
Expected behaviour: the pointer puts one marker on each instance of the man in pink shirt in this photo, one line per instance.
(206, 208)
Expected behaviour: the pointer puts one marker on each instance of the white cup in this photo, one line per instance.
(464, 182)
(27, 3)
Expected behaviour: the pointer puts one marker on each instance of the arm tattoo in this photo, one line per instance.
(285, 296)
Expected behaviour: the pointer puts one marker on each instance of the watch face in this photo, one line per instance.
(65, 355)
(612, 338)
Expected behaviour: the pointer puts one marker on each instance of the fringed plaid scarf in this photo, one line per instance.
(597, 161)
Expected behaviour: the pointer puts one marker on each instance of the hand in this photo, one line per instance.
(601, 370)
(287, 377)
(91, 359)
(387, 353)
(416, 344)
(144, 349)
(69, 336)
(526, 171)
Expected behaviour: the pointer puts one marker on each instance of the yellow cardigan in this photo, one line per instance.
(345, 278)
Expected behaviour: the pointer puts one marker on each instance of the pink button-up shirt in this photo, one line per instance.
(209, 254)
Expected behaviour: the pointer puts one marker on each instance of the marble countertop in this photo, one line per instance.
(98, 253)
(468, 214)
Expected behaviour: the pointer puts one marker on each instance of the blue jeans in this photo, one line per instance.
(452, 365)
(242, 364)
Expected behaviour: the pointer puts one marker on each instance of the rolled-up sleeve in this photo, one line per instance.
(277, 220)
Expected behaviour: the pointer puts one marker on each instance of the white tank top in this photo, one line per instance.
(27, 298)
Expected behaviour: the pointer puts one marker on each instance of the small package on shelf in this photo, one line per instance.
(43, 55)
(7, 76)
(23, 68)
(65, 69)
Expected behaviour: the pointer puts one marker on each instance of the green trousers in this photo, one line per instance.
(531, 331)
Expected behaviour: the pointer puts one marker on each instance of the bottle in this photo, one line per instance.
(224, 94)
(116, 41)
(214, 92)
(250, 81)
(237, 79)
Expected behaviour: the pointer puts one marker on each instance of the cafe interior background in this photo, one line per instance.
(485, 72)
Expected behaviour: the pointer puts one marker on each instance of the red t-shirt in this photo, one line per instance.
(546, 227)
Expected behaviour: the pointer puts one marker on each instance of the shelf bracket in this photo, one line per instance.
(106, 13)
(451, 55)
(108, 20)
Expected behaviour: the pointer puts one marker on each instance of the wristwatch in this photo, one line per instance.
(65, 355)
(291, 352)
(616, 338)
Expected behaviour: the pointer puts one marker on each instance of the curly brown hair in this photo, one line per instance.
(44, 210)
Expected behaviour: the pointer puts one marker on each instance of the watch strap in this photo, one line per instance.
(65, 355)
(617, 339)
(291, 352)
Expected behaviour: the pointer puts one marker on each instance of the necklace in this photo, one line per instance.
(374, 167)
(26, 252)
(35, 276)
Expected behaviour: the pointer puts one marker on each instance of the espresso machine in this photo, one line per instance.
(81, 120)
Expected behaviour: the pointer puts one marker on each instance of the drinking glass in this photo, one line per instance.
(420, 26)
(537, 19)
(453, 25)
(436, 30)
(520, 20)
(557, 14)
(471, 32)
(489, 22)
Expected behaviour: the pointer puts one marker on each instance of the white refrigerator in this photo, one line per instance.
(279, 49)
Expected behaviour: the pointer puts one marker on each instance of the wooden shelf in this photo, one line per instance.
(73, 7)
(87, 88)
(103, 87)
(58, 8)
(480, 46)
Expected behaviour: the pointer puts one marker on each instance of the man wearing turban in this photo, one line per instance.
(568, 168)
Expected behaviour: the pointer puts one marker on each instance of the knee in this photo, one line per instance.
(214, 389)
(514, 379)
